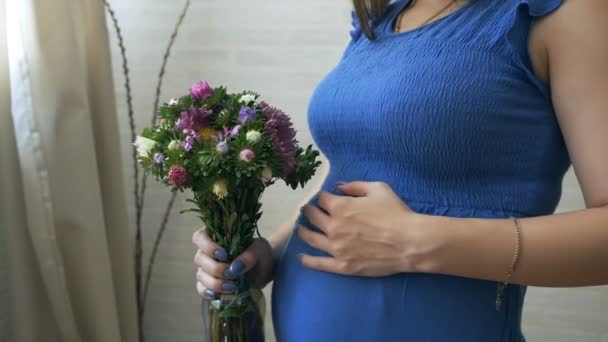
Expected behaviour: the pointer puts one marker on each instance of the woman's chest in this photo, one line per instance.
(421, 104)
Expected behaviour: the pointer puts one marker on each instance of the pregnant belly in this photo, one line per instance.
(310, 305)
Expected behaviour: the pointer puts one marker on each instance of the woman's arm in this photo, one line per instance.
(569, 249)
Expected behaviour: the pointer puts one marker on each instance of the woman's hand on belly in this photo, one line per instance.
(368, 232)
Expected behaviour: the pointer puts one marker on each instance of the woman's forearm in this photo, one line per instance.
(561, 250)
(279, 237)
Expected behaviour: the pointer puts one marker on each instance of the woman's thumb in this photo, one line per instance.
(245, 262)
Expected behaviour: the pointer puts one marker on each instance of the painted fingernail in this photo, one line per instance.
(228, 274)
(228, 286)
(210, 293)
(220, 255)
(237, 267)
(340, 183)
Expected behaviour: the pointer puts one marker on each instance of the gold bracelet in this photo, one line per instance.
(500, 288)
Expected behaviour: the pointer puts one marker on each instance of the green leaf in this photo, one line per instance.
(232, 219)
(147, 133)
(232, 312)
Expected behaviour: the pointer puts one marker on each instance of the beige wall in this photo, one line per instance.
(281, 49)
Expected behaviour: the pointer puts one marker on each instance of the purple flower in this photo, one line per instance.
(201, 90)
(235, 131)
(231, 132)
(247, 155)
(159, 158)
(247, 114)
(222, 147)
(280, 129)
(193, 119)
(177, 175)
(188, 144)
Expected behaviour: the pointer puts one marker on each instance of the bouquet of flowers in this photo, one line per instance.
(226, 148)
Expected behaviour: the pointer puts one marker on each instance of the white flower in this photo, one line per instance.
(174, 145)
(173, 102)
(247, 98)
(220, 189)
(253, 136)
(266, 175)
(144, 145)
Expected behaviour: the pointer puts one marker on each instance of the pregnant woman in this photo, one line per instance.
(448, 126)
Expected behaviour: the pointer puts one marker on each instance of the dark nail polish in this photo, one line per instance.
(228, 274)
(228, 286)
(340, 183)
(237, 267)
(210, 293)
(220, 255)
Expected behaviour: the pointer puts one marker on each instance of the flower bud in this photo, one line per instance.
(220, 189)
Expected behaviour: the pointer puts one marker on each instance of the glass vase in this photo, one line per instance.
(235, 317)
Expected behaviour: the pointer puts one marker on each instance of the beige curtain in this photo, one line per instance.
(62, 196)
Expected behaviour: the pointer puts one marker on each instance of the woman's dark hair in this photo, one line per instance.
(367, 10)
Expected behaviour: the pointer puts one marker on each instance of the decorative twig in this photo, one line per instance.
(159, 85)
(159, 237)
(138, 202)
(161, 75)
(139, 192)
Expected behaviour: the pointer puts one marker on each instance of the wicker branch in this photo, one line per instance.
(161, 75)
(138, 202)
(157, 241)
(139, 191)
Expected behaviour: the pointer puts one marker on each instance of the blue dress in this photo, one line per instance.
(452, 117)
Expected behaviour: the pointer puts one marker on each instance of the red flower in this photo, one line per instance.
(177, 175)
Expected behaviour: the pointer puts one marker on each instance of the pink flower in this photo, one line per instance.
(177, 175)
(201, 90)
(247, 155)
(193, 119)
(280, 128)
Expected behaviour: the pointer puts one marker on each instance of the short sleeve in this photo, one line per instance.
(518, 32)
(540, 8)
(355, 33)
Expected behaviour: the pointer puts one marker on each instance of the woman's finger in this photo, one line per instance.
(247, 260)
(205, 293)
(316, 240)
(210, 265)
(317, 217)
(202, 240)
(326, 264)
(214, 284)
